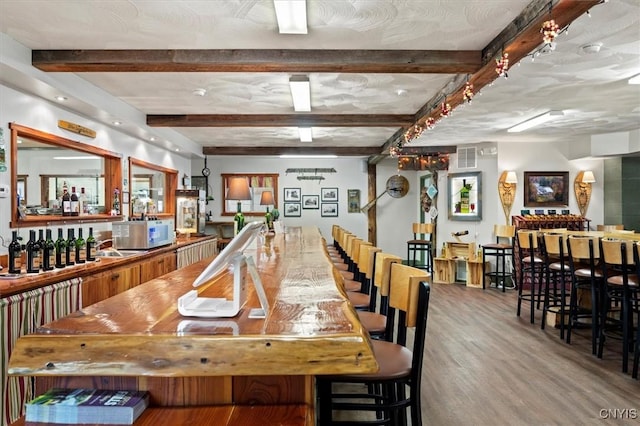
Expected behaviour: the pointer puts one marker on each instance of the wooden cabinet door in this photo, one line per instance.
(157, 266)
(95, 288)
(123, 278)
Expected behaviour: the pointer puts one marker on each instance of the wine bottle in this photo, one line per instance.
(80, 248)
(33, 253)
(61, 250)
(75, 202)
(48, 253)
(70, 252)
(66, 200)
(238, 219)
(15, 254)
(41, 243)
(91, 246)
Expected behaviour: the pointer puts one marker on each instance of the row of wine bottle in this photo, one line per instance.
(74, 204)
(45, 254)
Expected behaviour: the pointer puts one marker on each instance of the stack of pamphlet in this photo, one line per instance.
(78, 406)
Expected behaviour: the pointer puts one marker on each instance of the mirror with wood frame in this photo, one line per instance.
(42, 164)
(153, 189)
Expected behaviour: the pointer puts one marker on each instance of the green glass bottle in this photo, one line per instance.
(61, 250)
(91, 247)
(464, 197)
(80, 248)
(48, 253)
(269, 219)
(70, 253)
(15, 254)
(238, 219)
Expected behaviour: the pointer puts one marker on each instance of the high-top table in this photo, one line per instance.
(138, 339)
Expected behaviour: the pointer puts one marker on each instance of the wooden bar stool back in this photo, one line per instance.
(421, 243)
(621, 286)
(375, 321)
(586, 279)
(400, 361)
(502, 250)
(556, 279)
(531, 266)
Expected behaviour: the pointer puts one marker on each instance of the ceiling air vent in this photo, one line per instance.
(467, 158)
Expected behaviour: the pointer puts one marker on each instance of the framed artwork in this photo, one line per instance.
(199, 182)
(465, 196)
(546, 189)
(292, 209)
(292, 194)
(353, 200)
(310, 202)
(329, 194)
(329, 210)
(125, 197)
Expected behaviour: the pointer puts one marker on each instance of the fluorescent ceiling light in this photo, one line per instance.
(307, 156)
(305, 134)
(635, 79)
(535, 121)
(78, 157)
(300, 92)
(291, 16)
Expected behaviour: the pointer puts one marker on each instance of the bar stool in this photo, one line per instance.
(621, 287)
(532, 264)
(421, 242)
(586, 275)
(501, 250)
(557, 275)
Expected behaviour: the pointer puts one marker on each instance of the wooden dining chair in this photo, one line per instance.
(400, 361)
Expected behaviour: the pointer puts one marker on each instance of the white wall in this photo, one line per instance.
(395, 215)
(42, 115)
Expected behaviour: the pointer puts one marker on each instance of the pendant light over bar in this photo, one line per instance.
(536, 121)
(291, 16)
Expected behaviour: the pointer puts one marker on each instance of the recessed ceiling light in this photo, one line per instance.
(536, 121)
(305, 134)
(177, 149)
(117, 123)
(291, 16)
(635, 79)
(401, 92)
(60, 98)
(300, 92)
(199, 92)
(152, 138)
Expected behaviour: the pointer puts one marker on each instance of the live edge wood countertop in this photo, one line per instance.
(310, 328)
(30, 281)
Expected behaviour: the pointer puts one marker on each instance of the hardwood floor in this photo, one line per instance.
(486, 366)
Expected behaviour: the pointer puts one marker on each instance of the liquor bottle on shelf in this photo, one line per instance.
(70, 253)
(33, 254)
(91, 246)
(80, 248)
(41, 242)
(84, 205)
(48, 253)
(75, 202)
(66, 200)
(15, 254)
(61, 250)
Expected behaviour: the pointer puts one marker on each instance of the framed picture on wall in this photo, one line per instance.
(353, 200)
(329, 210)
(292, 210)
(329, 194)
(546, 189)
(310, 202)
(465, 196)
(292, 194)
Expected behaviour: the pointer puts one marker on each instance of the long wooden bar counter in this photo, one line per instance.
(138, 340)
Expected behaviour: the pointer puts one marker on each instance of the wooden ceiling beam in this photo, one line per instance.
(259, 60)
(521, 37)
(280, 120)
(341, 151)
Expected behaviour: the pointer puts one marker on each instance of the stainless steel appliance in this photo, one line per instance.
(142, 234)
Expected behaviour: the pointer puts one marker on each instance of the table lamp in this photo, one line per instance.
(239, 191)
(266, 199)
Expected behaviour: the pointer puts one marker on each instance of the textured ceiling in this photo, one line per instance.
(591, 88)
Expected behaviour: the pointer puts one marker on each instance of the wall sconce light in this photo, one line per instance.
(582, 188)
(238, 190)
(507, 190)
